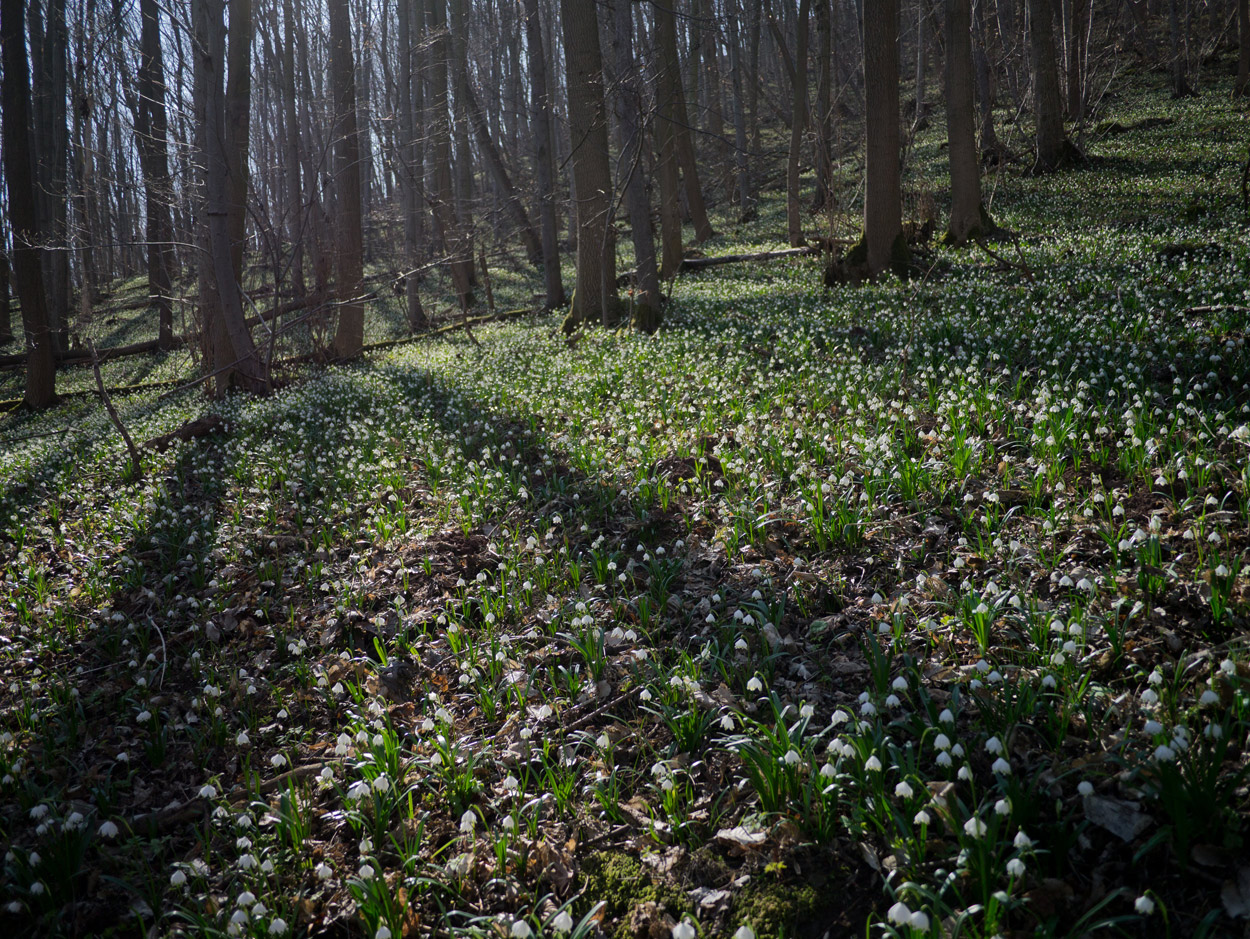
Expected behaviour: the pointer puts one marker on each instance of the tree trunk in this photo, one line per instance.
(985, 88)
(921, 68)
(666, 146)
(672, 111)
(1180, 83)
(968, 216)
(50, 49)
(238, 127)
(6, 301)
(229, 353)
(646, 298)
(19, 174)
(350, 335)
(1074, 19)
(741, 143)
(154, 152)
(883, 244)
(595, 297)
(544, 167)
(1054, 150)
(824, 106)
(445, 209)
(295, 203)
(1242, 88)
(409, 167)
(794, 221)
(459, 33)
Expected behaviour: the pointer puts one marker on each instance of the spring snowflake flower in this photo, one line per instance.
(108, 829)
(277, 927)
(1085, 788)
(208, 792)
(563, 922)
(903, 790)
(684, 930)
(754, 685)
(1208, 698)
(919, 920)
(994, 746)
(178, 878)
(1001, 767)
(873, 764)
(521, 929)
(744, 932)
(975, 827)
(1144, 905)
(468, 822)
(899, 914)
(382, 933)
(1015, 867)
(922, 818)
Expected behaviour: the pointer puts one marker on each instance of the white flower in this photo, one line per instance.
(277, 927)
(178, 878)
(208, 792)
(684, 930)
(994, 745)
(1022, 841)
(367, 872)
(975, 827)
(1085, 788)
(754, 685)
(873, 764)
(277, 760)
(242, 739)
(919, 920)
(744, 932)
(792, 757)
(1015, 867)
(563, 922)
(1164, 753)
(1001, 767)
(382, 933)
(468, 821)
(899, 914)
(922, 818)
(903, 790)
(108, 829)
(521, 929)
(1144, 905)
(1208, 698)
(324, 871)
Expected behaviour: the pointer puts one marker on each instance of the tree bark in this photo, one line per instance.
(230, 355)
(1242, 87)
(238, 127)
(49, 47)
(824, 105)
(883, 244)
(459, 33)
(595, 296)
(666, 146)
(968, 216)
(350, 335)
(672, 111)
(19, 175)
(646, 298)
(444, 202)
(1074, 19)
(794, 221)
(1180, 82)
(1054, 150)
(544, 167)
(741, 143)
(295, 202)
(408, 167)
(151, 135)
(985, 87)
(6, 302)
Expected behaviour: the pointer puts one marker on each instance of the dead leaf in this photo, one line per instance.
(1236, 895)
(1123, 819)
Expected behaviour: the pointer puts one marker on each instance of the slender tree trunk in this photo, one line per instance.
(445, 211)
(50, 48)
(1054, 150)
(544, 167)
(741, 144)
(922, 71)
(350, 336)
(459, 20)
(6, 294)
(1180, 83)
(151, 134)
(295, 203)
(824, 105)
(666, 146)
(19, 175)
(794, 221)
(1242, 88)
(672, 110)
(646, 299)
(985, 88)
(884, 246)
(595, 297)
(1074, 13)
(752, 76)
(238, 127)
(968, 215)
(230, 355)
(408, 166)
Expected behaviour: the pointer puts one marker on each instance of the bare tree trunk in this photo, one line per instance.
(238, 127)
(544, 167)
(1054, 150)
(646, 299)
(1074, 19)
(6, 297)
(50, 50)
(666, 147)
(883, 243)
(753, 73)
(741, 144)
(230, 354)
(922, 71)
(294, 199)
(1180, 82)
(968, 215)
(794, 221)
(824, 105)
(672, 110)
(445, 209)
(459, 21)
(154, 151)
(350, 335)
(595, 297)
(1242, 87)
(985, 88)
(408, 166)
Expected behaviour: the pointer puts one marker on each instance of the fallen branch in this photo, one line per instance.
(135, 461)
(1007, 263)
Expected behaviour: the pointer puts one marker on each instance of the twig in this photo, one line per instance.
(112, 411)
(1020, 266)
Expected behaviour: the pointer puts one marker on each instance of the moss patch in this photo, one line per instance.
(774, 909)
(623, 884)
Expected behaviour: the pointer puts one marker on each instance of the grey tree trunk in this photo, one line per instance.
(985, 87)
(238, 113)
(645, 312)
(151, 134)
(19, 175)
(595, 296)
(794, 220)
(50, 50)
(666, 147)
(445, 208)
(741, 144)
(1054, 150)
(459, 22)
(883, 243)
(922, 71)
(350, 335)
(1242, 86)
(409, 168)
(1180, 82)
(544, 167)
(295, 204)
(824, 105)
(968, 216)
(672, 110)
(1075, 13)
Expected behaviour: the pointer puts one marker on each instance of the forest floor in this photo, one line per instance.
(915, 609)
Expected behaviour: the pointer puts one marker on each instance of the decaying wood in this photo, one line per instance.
(204, 426)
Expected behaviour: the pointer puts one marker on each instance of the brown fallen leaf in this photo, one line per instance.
(1236, 895)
